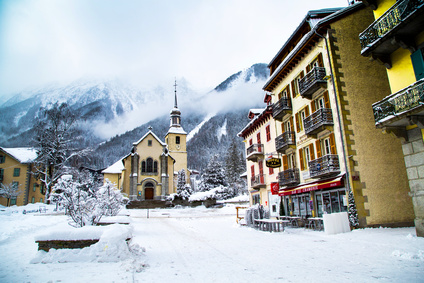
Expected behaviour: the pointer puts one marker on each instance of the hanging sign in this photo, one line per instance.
(275, 187)
(273, 162)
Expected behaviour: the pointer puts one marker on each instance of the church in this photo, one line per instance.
(149, 171)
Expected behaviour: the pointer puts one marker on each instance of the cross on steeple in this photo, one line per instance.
(175, 85)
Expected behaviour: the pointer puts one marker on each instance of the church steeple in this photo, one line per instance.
(175, 114)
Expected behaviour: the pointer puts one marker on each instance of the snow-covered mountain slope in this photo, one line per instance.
(116, 114)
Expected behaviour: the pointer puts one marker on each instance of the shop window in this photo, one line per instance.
(16, 172)
(268, 133)
(417, 59)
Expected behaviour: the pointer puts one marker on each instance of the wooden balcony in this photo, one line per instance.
(284, 141)
(318, 121)
(289, 177)
(394, 29)
(255, 152)
(324, 166)
(396, 109)
(258, 181)
(313, 81)
(281, 108)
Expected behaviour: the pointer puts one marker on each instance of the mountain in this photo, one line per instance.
(112, 115)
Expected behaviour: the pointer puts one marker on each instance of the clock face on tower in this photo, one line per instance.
(178, 146)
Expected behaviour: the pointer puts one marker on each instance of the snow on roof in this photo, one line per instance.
(115, 168)
(177, 130)
(22, 154)
(153, 134)
(257, 116)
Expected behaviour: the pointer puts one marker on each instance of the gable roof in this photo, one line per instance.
(153, 134)
(115, 168)
(21, 154)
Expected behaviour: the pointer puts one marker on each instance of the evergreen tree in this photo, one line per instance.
(234, 167)
(214, 175)
(352, 212)
(183, 189)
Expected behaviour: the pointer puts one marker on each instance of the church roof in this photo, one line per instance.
(153, 134)
(176, 130)
(115, 168)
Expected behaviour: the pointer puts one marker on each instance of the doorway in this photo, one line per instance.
(149, 191)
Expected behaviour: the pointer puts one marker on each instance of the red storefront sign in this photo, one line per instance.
(334, 183)
(275, 188)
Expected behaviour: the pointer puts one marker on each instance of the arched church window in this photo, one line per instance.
(149, 165)
(155, 167)
(143, 166)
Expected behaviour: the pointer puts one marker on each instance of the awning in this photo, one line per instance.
(320, 185)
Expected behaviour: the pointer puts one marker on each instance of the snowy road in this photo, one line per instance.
(206, 245)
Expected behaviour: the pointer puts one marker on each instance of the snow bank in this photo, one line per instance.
(112, 246)
(204, 195)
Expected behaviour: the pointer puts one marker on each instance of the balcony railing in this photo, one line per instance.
(282, 142)
(313, 80)
(258, 181)
(289, 177)
(324, 166)
(388, 21)
(317, 121)
(398, 103)
(255, 152)
(281, 108)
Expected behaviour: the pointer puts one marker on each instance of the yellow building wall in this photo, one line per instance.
(383, 6)
(401, 74)
(114, 178)
(178, 152)
(375, 159)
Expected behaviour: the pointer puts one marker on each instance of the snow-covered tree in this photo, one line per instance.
(84, 205)
(52, 139)
(214, 175)
(9, 191)
(183, 189)
(352, 212)
(235, 165)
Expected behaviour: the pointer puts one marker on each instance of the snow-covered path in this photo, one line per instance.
(206, 245)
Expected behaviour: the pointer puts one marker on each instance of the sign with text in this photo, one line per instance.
(273, 162)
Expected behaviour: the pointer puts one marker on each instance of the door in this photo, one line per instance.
(148, 193)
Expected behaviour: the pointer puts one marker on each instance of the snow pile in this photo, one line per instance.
(112, 246)
(199, 196)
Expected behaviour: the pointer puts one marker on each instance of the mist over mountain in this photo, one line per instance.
(112, 115)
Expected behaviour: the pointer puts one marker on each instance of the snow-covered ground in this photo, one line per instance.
(206, 245)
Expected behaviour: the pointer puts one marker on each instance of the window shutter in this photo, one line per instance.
(291, 124)
(306, 111)
(285, 163)
(326, 100)
(332, 144)
(302, 166)
(308, 68)
(318, 147)
(302, 74)
(311, 151)
(297, 123)
(417, 59)
(320, 61)
(252, 171)
(313, 106)
(293, 89)
(288, 91)
(283, 128)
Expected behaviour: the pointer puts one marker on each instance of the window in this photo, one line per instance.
(41, 200)
(34, 187)
(271, 171)
(295, 84)
(317, 62)
(285, 93)
(15, 185)
(2, 159)
(1, 174)
(268, 133)
(16, 172)
(300, 117)
(149, 166)
(149, 143)
(13, 201)
(250, 141)
(177, 140)
(256, 199)
(42, 189)
(33, 200)
(252, 171)
(306, 154)
(321, 102)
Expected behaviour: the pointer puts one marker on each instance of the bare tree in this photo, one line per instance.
(54, 127)
(9, 191)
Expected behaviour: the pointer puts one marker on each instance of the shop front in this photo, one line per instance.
(315, 199)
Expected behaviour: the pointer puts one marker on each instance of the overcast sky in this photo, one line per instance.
(148, 42)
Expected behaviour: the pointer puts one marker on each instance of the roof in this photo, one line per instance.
(304, 35)
(153, 134)
(22, 154)
(256, 121)
(176, 130)
(115, 168)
